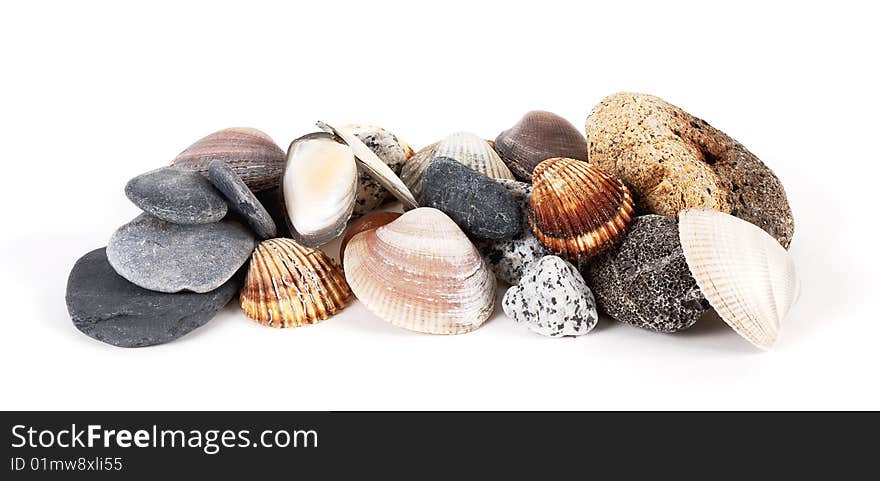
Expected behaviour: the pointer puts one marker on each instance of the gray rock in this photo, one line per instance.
(552, 299)
(241, 200)
(166, 257)
(106, 307)
(176, 195)
(646, 281)
(481, 207)
(509, 258)
(271, 199)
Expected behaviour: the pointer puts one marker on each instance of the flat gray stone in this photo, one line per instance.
(166, 257)
(177, 195)
(241, 200)
(106, 307)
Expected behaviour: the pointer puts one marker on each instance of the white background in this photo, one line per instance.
(92, 94)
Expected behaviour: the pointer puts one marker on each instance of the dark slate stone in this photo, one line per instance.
(271, 199)
(166, 257)
(176, 195)
(646, 281)
(482, 208)
(241, 200)
(106, 307)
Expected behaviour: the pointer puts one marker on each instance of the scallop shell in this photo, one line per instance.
(539, 136)
(388, 147)
(466, 148)
(251, 154)
(365, 223)
(744, 273)
(421, 273)
(290, 285)
(578, 210)
(318, 188)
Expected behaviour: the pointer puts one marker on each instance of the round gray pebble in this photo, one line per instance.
(177, 195)
(241, 200)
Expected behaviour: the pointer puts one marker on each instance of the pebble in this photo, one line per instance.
(166, 257)
(106, 307)
(482, 208)
(552, 299)
(177, 195)
(241, 200)
(646, 281)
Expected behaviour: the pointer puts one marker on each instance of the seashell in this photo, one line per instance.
(539, 136)
(318, 188)
(391, 150)
(421, 273)
(744, 272)
(290, 285)
(373, 165)
(466, 148)
(578, 210)
(250, 153)
(365, 223)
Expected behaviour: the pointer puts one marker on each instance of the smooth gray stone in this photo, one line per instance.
(177, 195)
(241, 200)
(106, 307)
(482, 208)
(166, 257)
(646, 281)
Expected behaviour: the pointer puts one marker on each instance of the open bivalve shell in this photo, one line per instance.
(318, 188)
(744, 273)
(578, 210)
(290, 285)
(420, 272)
(539, 136)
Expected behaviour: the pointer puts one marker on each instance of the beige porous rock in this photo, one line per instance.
(674, 161)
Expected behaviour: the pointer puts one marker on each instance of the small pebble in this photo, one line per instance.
(241, 200)
(177, 195)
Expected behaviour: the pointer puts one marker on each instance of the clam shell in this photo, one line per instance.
(421, 273)
(250, 153)
(318, 188)
(539, 136)
(414, 169)
(388, 147)
(578, 210)
(290, 285)
(365, 223)
(744, 273)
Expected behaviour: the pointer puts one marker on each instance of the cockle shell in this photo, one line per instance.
(466, 148)
(318, 188)
(250, 153)
(578, 210)
(391, 150)
(290, 285)
(539, 136)
(368, 222)
(421, 273)
(743, 271)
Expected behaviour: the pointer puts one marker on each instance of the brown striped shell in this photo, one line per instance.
(578, 210)
(250, 153)
(290, 285)
(539, 136)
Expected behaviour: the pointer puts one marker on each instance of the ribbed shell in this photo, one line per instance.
(421, 273)
(578, 210)
(539, 136)
(744, 273)
(290, 285)
(414, 168)
(250, 153)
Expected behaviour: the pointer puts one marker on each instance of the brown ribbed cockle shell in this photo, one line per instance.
(578, 210)
(291, 285)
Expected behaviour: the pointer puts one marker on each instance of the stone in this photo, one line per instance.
(646, 281)
(177, 195)
(391, 150)
(673, 161)
(273, 201)
(166, 257)
(241, 200)
(509, 258)
(552, 299)
(105, 306)
(481, 207)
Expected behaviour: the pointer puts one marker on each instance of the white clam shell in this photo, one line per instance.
(421, 272)
(744, 273)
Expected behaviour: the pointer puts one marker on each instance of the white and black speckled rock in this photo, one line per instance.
(646, 281)
(166, 257)
(480, 206)
(509, 258)
(106, 307)
(241, 200)
(392, 151)
(552, 299)
(177, 195)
